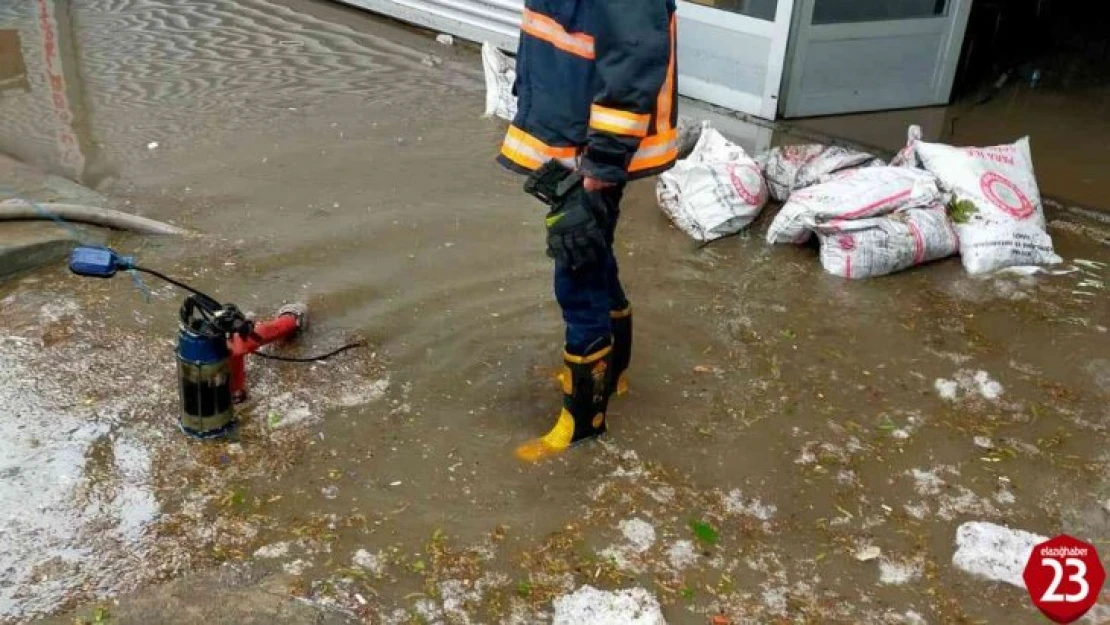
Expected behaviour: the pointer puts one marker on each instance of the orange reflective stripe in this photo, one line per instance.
(529, 152)
(543, 27)
(665, 103)
(656, 151)
(619, 122)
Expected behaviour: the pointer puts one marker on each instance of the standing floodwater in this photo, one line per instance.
(794, 446)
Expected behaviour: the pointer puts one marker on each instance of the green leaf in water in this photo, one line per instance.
(704, 532)
(524, 589)
(273, 418)
(687, 593)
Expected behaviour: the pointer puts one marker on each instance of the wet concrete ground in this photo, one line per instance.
(782, 422)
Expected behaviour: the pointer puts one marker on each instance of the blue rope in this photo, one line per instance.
(77, 234)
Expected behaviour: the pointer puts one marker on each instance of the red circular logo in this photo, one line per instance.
(847, 242)
(1064, 577)
(1006, 195)
(743, 187)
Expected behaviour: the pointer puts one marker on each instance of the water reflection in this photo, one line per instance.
(44, 111)
(13, 71)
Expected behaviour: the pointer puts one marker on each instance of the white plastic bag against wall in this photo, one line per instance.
(849, 195)
(996, 204)
(716, 192)
(792, 167)
(866, 248)
(500, 72)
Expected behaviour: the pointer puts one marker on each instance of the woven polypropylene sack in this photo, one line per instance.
(500, 72)
(849, 195)
(716, 192)
(996, 204)
(866, 248)
(792, 167)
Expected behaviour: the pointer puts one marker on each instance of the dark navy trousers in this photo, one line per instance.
(587, 296)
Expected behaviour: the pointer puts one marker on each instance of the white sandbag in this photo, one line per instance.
(689, 131)
(716, 192)
(996, 204)
(500, 71)
(852, 194)
(866, 248)
(792, 167)
(907, 156)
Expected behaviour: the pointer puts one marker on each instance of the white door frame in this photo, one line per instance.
(765, 105)
(944, 76)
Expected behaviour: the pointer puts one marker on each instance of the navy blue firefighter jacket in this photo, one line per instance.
(596, 88)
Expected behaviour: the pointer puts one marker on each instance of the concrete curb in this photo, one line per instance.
(25, 246)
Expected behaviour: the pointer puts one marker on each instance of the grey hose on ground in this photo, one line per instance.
(21, 210)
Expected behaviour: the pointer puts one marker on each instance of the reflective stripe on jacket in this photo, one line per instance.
(596, 88)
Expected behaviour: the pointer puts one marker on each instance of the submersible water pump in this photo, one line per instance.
(213, 341)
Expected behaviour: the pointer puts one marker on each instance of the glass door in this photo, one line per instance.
(731, 52)
(850, 56)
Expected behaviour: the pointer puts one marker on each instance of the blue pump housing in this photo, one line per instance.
(201, 349)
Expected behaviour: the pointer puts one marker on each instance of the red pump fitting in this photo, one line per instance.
(291, 320)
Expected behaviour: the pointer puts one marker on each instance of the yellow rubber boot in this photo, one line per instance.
(585, 381)
(554, 442)
(622, 349)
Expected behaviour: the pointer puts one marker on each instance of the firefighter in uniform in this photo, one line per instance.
(596, 89)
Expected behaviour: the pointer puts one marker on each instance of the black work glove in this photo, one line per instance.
(576, 224)
(576, 231)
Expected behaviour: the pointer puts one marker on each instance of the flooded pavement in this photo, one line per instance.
(795, 448)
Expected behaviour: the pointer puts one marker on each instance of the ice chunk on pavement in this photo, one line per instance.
(869, 553)
(988, 388)
(296, 567)
(926, 482)
(275, 550)
(367, 561)
(590, 606)
(736, 503)
(947, 388)
(971, 384)
(682, 554)
(897, 572)
(995, 552)
(639, 533)
(362, 393)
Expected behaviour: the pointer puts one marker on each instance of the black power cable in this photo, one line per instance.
(180, 285)
(334, 352)
(215, 303)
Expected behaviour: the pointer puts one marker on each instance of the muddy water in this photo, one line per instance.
(332, 158)
(1067, 126)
